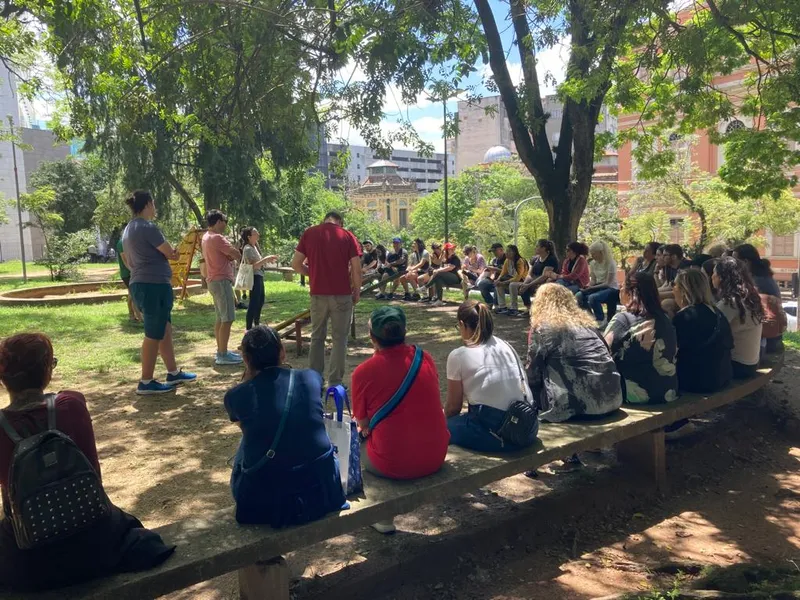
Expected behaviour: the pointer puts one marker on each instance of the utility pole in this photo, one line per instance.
(446, 168)
(19, 204)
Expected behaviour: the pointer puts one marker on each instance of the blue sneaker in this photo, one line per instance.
(229, 358)
(180, 378)
(154, 387)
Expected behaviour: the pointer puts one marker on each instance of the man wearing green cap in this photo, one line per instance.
(411, 441)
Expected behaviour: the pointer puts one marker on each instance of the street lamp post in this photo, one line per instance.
(19, 204)
(516, 214)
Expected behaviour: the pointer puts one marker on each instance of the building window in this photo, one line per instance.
(403, 217)
(388, 210)
(676, 231)
(782, 245)
(734, 125)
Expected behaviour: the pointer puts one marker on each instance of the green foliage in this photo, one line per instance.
(681, 58)
(76, 184)
(715, 214)
(601, 221)
(533, 226)
(63, 254)
(498, 182)
(488, 223)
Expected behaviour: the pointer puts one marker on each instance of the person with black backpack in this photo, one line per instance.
(59, 527)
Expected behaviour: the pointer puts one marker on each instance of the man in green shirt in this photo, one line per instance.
(125, 275)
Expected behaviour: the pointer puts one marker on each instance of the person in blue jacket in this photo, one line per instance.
(285, 471)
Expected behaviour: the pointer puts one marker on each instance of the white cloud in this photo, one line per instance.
(551, 64)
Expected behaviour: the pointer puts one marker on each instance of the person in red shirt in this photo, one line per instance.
(331, 258)
(412, 440)
(114, 544)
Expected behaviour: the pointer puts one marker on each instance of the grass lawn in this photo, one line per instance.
(14, 267)
(792, 340)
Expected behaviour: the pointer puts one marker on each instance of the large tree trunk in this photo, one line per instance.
(564, 213)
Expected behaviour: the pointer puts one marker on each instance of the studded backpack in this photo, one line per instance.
(53, 490)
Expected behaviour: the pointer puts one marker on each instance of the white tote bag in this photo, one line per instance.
(244, 278)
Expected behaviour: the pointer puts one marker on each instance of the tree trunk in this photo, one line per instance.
(564, 213)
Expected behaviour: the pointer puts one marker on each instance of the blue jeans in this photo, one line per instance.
(473, 430)
(572, 287)
(486, 288)
(596, 300)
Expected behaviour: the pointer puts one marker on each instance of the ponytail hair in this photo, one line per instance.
(477, 317)
(138, 200)
(262, 347)
(549, 246)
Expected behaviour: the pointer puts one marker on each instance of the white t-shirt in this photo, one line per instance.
(604, 273)
(746, 336)
(489, 374)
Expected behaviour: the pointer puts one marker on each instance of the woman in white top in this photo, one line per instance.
(603, 285)
(488, 373)
(251, 255)
(740, 303)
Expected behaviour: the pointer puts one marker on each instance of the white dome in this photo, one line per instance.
(496, 154)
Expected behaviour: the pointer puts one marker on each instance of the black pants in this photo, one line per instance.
(256, 301)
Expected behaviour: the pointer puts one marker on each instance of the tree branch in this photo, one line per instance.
(497, 61)
(533, 97)
(185, 195)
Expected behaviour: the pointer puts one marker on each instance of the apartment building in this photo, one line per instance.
(427, 172)
(485, 124)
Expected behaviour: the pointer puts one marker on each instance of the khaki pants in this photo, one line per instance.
(516, 288)
(339, 309)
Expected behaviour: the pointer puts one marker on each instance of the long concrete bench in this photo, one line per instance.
(216, 544)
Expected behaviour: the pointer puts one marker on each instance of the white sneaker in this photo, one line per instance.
(437, 303)
(384, 527)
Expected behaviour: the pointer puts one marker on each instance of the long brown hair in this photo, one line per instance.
(643, 295)
(477, 317)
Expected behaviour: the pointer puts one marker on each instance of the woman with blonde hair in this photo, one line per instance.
(486, 372)
(603, 285)
(704, 336)
(570, 369)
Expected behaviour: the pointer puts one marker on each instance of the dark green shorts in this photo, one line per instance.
(154, 300)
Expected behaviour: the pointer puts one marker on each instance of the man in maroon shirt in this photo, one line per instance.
(331, 258)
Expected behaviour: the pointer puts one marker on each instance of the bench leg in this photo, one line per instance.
(647, 453)
(267, 580)
(298, 337)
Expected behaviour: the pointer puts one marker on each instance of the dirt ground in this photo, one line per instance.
(735, 497)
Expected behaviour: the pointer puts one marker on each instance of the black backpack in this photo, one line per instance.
(53, 490)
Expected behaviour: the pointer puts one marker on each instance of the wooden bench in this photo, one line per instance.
(216, 544)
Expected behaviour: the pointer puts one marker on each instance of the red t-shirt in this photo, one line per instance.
(412, 441)
(72, 418)
(329, 249)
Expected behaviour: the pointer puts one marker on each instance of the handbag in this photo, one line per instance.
(343, 431)
(521, 420)
(244, 277)
(385, 410)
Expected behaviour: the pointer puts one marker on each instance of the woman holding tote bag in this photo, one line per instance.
(251, 257)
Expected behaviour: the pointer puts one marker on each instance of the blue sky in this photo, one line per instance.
(427, 117)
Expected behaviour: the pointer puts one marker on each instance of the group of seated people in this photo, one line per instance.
(285, 471)
(424, 275)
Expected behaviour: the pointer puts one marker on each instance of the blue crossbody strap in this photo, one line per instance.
(284, 417)
(385, 410)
